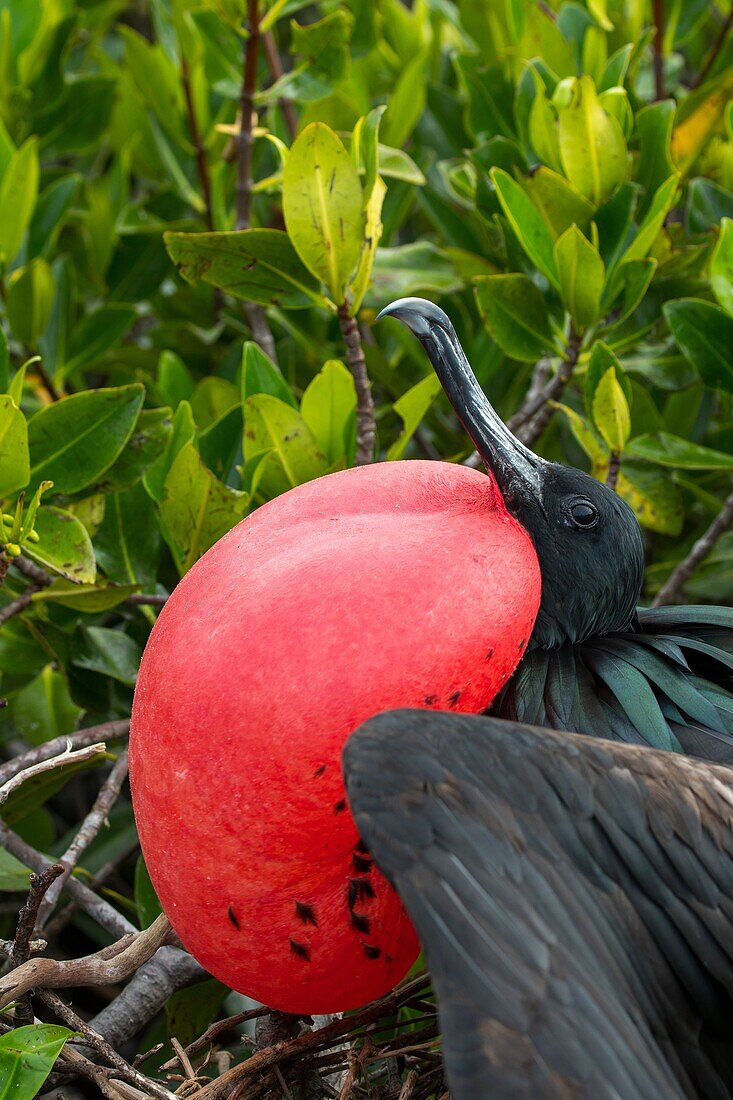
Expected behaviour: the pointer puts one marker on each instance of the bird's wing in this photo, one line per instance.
(573, 897)
(667, 685)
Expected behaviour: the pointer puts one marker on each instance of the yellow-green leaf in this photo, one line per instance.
(322, 204)
(611, 411)
(18, 193)
(581, 273)
(592, 144)
(15, 469)
(372, 236)
(721, 266)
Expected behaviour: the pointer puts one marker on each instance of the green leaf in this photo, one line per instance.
(323, 53)
(271, 425)
(157, 81)
(27, 1055)
(15, 470)
(328, 408)
(4, 362)
(43, 708)
(532, 230)
(633, 278)
(584, 435)
(95, 334)
(189, 1011)
(174, 379)
(183, 432)
(128, 542)
(14, 878)
(515, 313)
(409, 269)
(108, 652)
(591, 142)
(407, 101)
(211, 399)
(322, 204)
(654, 131)
(220, 445)
(37, 790)
(653, 497)
(18, 193)
(146, 899)
(78, 119)
(260, 375)
(611, 413)
(258, 265)
(395, 164)
(74, 441)
(581, 273)
(196, 508)
(653, 220)
(559, 202)
(601, 360)
(721, 266)
(29, 302)
(411, 408)
(704, 333)
(148, 441)
(85, 597)
(54, 203)
(670, 450)
(64, 546)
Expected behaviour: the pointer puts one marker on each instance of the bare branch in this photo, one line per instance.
(276, 68)
(90, 827)
(20, 953)
(60, 761)
(202, 164)
(715, 51)
(32, 572)
(614, 468)
(66, 1014)
(106, 967)
(20, 603)
(107, 731)
(529, 423)
(682, 573)
(658, 48)
(366, 429)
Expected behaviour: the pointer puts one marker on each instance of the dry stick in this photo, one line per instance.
(265, 1059)
(670, 589)
(32, 572)
(255, 314)
(90, 827)
(213, 1031)
(47, 381)
(140, 598)
(408, 1088)
(202, 165)
(23, 933)
(67, 1015)
(276, 68)
(107, 731)
(106, 967)
(540, 411)
(4, 566)
(658, 14)
(60, 761)
(59, 921)
(713, 55)
(365, 422)
(614, 467)
(20, 603)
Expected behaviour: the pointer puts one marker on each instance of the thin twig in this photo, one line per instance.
(715, 51)
(66, 1014)
(107, 731)
(140, 598)
(39, 884)
(60, 761)
(202, 164)
(32, 572)
(614, 468)
(106, 967)
(60, 919)
(276, 68)
(90, 827)
(20, 603)
(658, 48)
(536, 414)
(219, 1027)
(366, 428)
(682, 573)
(47, 381)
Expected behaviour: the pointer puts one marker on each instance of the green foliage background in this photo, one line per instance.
(554, 174)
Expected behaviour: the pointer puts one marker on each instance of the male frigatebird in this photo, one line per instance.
(410, 584)
(574, 898)
(595, 663)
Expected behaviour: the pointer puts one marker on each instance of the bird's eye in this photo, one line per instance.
(584, 514)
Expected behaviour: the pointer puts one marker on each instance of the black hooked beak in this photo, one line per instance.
(518, 471)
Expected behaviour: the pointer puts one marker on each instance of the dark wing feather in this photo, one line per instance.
(666, 684)
(574, 898)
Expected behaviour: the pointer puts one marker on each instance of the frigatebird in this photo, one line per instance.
(595, 663)
(574, 898)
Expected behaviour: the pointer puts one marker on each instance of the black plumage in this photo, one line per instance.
(574, 898)
(595, 664)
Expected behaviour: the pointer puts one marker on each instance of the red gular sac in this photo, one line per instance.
(401, 584)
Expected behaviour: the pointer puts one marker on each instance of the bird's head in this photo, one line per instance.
(587, 539)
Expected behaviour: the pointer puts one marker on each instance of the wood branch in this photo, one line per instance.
(534, 416)
(202, 164)
(715, 51)
(106, 967)
(366, 428)
(704, 545)
(100, 1045)
(32, 572)
(68, 756)
(265, 1059)
(276, 68)
(614, 468)
(107, 731)
(90, 827)
(25, 928)
(658, 48)
(20, 603)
